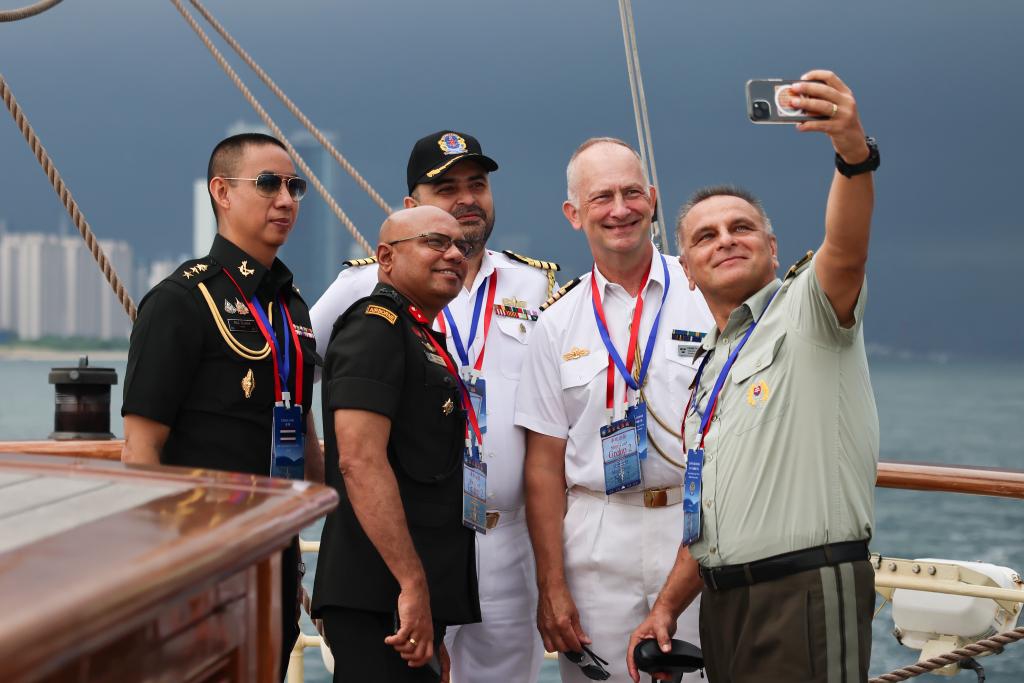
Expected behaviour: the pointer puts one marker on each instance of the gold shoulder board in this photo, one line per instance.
(354, 262)
(536, 263)
(560, 293)
(799, 265)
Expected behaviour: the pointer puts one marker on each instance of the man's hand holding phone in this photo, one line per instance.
(414, 631)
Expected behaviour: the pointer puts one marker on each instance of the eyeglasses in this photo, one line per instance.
(269, 184)
(441, 243)
(589, 663)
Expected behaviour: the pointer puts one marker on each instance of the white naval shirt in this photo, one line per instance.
(504, 443)
(564, 385)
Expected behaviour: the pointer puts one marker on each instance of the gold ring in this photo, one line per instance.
(412, 641)
(835, 108)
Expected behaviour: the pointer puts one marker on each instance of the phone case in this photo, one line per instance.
(767, 99)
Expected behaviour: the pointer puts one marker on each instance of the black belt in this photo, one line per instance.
(772, 568)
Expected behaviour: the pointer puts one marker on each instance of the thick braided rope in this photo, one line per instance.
(296, 112)
(993, 644)
(66, 199)
(349, 225)
(28, 11)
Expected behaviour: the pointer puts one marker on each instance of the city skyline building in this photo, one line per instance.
(204, 223)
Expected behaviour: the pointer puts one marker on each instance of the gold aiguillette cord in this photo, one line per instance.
(234, 344)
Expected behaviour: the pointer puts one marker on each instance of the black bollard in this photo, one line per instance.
(82, 401)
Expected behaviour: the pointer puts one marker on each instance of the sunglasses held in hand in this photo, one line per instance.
(269, 184)
(589, 663)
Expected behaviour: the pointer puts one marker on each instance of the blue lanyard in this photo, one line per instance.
(463, 351)
(713, 397)
(602, 327)
(283, 355)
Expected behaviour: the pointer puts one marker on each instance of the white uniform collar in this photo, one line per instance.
(657, 274)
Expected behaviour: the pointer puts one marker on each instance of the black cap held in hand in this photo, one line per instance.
(432, 156)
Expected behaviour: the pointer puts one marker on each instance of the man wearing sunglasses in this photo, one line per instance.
(396, 565)
(487, 327)
(221, 359)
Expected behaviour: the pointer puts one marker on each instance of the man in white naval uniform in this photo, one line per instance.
(604, 516)
(448, 169)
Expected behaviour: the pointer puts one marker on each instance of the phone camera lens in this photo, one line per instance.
(760, 109)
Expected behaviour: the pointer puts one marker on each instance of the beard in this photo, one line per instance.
(478, 235)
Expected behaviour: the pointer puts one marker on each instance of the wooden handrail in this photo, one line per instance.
(914, 476)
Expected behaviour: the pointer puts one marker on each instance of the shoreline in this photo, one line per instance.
(62, 355)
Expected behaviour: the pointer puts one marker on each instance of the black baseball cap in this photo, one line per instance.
(434, 154)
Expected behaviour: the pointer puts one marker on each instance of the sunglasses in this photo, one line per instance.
(589, 663)
(269, 184)
(441, 243)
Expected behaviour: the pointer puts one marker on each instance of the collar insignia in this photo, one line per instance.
(417, 315)
(245, 270)
(574, 353)
(450, 143)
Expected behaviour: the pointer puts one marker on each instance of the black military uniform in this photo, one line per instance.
(380, 359)
(199, 364)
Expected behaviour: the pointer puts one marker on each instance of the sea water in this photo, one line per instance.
(963, 413)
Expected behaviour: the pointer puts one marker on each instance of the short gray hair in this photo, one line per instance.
(720, 191)
(570, 169)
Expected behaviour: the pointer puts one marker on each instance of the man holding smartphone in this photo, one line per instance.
(781, 430)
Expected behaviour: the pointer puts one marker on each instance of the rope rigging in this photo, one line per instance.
(993, 644)
(70, 205)
(296, 112)
(269, 122)
(27, 11)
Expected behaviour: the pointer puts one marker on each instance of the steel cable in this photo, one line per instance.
(335, 207)
(296, 112)
(66, 199)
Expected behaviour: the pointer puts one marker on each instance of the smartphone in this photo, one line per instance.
(435, 661)
(768, 101)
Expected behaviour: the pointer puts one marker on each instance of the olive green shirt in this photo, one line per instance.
(792, 450)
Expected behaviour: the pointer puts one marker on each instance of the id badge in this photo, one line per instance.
(477, 387)
(286, 457)
(691, 495)
(638, 414)
(474, 493)
(621, 459)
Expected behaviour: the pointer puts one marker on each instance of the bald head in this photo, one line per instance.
(418, 220)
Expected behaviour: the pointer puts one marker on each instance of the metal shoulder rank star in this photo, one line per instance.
(244, 269)
(201, 267)
(188, 274)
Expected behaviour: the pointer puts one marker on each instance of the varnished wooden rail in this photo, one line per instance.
(981, 481)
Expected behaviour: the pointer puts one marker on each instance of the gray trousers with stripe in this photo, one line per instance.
(812, 627)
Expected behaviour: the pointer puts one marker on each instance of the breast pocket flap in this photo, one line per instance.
(750, 363)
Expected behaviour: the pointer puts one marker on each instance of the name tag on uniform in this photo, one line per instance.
(638, 415)
(474, 491)
(621, 458)
(691, 495)
(286, 453)
(476, 385)
(242, 325)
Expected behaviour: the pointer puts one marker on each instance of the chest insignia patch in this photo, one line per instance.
(574, 353)
(513, 308)
(248, 384)
(241, 308)
(229, 308)
(242, 325)
(304, 331)
(758, 393)
(245, 270)
(687, 336)
(382, 312)
(447, 407)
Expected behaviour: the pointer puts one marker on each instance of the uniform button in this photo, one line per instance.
(448, 381)
(709, 504)
(708, 459)
(724, 340)
(714, 550)
(715, 418)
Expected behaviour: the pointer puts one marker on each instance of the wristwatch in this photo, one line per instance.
(866, 166)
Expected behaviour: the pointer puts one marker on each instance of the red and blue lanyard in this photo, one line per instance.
(712, 404)
(489, 287)
(614, 359)
(280, 354)
(467, 404)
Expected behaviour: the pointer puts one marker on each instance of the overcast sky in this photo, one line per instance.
(129, 103)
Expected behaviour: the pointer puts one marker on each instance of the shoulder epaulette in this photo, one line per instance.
(560, 293)
(536, 263)
(194, 271)
(799, 265)
(355, 262)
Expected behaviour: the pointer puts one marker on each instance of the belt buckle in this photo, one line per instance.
(492, 519)
(655, 498)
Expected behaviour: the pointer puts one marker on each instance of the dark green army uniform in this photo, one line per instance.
(199, 364)
(380, 358)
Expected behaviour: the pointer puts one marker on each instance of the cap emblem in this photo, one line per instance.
(450, 143)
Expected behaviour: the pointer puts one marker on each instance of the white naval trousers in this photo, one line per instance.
(505, 646)
(617, 558)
